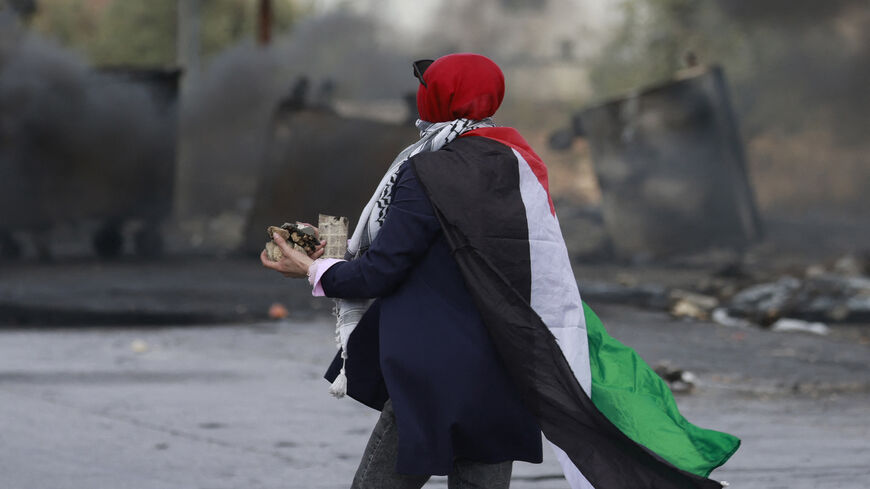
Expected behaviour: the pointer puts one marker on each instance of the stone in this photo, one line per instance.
(302, 237)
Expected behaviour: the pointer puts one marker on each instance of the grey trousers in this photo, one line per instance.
(378, 467)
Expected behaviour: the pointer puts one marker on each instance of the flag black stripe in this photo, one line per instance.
(489, 239)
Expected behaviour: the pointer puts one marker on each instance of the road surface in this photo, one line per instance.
(244, 405)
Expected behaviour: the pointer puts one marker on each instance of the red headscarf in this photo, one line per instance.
(459, 86)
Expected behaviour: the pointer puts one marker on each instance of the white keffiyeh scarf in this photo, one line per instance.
(433, 136)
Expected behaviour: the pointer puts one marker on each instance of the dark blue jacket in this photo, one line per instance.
(423, 344)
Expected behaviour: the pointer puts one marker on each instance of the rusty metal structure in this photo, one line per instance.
(671, 167)
(318, 161)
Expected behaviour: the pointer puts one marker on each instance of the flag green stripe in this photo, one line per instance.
(640, 404)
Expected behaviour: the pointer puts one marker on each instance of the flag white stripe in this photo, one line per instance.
(554, 293)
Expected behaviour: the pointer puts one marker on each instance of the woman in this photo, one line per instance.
(422, 343)
(476, 340)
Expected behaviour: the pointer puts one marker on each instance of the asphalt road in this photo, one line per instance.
(244, 405)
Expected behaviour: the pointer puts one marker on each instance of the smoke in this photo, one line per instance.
(79, 143)
(74, 143)
(811, 58)
(519, 31)
(779, 12)
(226, 116)
(797, 71)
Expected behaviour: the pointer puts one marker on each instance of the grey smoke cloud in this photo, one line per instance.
(824, 58)
(226, 117)
(780, 11)
(74, 142)
(66, 129)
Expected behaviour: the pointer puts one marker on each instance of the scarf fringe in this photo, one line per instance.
(338, 389)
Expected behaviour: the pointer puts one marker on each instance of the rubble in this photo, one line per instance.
(684, 308)
(691, 304)
(797, 325)
(850, 266)
(818, 297)
(809, 299)
(648, 295)
(720, 316)
(815, 270)
(764, 302)
(299, 236)
(680, 381)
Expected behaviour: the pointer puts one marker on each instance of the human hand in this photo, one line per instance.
(295, 263)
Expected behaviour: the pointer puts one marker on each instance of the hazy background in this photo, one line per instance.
(717, 219)
(796, 74)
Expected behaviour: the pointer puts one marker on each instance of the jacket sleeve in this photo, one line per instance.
(409, 229)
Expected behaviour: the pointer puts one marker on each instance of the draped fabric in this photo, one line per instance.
(517, 270)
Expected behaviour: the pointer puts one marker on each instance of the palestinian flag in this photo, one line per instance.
(628, 432)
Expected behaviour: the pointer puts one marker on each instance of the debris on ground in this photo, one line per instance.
(278, 311)
(764, 303)
(648, 295)
(823, 297)
(684, 308)
(808, 298)
(691, 304)
(798, 325)
(850, 266)
(680, 381)
(720, 316)
(139, 346)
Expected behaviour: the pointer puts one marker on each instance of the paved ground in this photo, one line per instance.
(178, 290)
(244, 405)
